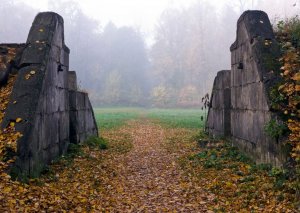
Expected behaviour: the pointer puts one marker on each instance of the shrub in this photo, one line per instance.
(275, 129)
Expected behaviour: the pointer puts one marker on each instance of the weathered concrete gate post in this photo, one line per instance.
(254, 62)
(41, 98)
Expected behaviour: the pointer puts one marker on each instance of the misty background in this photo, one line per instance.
(135, 53)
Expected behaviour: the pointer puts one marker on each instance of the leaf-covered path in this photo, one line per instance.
(149, 179)
(149, 167)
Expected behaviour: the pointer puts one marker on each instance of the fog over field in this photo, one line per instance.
(161, 53)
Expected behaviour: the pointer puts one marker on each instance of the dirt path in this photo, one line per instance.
(148, 178)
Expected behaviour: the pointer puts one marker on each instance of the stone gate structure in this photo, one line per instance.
(240, 106)
(45, 96)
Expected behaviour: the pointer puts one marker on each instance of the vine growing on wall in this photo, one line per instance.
(286, 97)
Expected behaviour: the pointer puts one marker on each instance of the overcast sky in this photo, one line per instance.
(144, 13)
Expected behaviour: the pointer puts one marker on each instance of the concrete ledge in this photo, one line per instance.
(82, 119)
(218, 123)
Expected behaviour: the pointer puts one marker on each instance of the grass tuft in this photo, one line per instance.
(96, 142)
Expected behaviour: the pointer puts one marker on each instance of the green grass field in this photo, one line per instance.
(108, 118)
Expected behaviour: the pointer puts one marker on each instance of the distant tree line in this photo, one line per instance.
(117, 67)
(191, 45)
